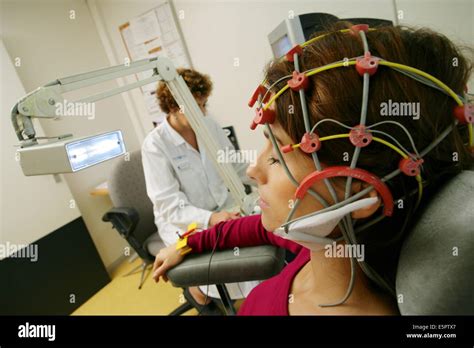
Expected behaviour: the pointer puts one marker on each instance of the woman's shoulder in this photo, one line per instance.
(155, 138)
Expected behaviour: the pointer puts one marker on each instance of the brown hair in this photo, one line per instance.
(337, 94)
(199, 84)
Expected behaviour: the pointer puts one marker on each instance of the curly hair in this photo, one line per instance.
(199, 84)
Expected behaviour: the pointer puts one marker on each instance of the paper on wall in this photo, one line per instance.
(153, 34)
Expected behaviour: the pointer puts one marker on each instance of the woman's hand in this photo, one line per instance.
(166, 259)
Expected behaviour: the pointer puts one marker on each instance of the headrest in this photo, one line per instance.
(435, 274)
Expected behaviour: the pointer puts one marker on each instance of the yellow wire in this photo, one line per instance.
(382, 62)
(393, 147)
(420, 190)
(471, 135)
(331, 66)
(395, 65)
(389, 64)
(336, 136)
(309, 42)
(428, 76)
(280, 92)
(304, 44)
(439, 83)
(311, 73)
(377, 139)
(418, 177)
(390, 145)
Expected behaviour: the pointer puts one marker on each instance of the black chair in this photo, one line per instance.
(132, 215)
(434, 274)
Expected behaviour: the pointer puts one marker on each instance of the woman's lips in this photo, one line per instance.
(263, 204)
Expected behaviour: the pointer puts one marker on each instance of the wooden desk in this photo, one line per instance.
(100, 190)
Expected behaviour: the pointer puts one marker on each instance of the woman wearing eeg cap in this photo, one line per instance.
(315, 283)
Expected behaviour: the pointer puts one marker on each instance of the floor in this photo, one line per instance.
(122, 296)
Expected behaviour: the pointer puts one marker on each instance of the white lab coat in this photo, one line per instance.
(184, 187)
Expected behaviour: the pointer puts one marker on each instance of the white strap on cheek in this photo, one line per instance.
(311, 232)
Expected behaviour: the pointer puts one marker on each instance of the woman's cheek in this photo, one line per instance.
(280, 196)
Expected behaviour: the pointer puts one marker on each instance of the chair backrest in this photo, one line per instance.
(127, 189)
(435, 274)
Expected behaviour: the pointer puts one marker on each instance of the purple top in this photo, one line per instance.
(271, 296)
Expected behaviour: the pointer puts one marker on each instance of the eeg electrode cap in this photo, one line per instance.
(261, 90)
(367, 64)
(464, 113)
(359, 136)
(310, 143)
(262, 116)
(299, 81)
(359, 27)
(410, 166)
(290, 54)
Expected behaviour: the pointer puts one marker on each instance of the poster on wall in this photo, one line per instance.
(152, 34)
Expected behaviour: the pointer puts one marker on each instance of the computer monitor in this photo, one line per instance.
(296, 30)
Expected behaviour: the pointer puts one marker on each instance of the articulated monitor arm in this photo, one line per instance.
(42, 103)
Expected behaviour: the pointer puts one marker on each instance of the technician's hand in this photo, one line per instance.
(166, 259)
(222, 216)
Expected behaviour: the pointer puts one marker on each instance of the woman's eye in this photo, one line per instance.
(273, 160)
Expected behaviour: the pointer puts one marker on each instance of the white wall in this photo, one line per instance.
(30, 208)
(51, 45)
(453, 18)
(216, 32)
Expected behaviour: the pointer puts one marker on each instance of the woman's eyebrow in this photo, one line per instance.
(265, 133)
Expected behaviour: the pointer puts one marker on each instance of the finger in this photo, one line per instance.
(160, 272)
(156, 276)
(157, 263)
(165, 278)
(156, 273)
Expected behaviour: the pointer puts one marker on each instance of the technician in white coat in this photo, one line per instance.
(180, 178)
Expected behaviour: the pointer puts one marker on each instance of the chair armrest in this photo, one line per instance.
(124, 220)
(251, 263)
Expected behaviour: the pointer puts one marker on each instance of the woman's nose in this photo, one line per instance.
(254, 172)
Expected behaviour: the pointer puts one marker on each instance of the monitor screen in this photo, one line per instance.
(93, 150)
(281, 46)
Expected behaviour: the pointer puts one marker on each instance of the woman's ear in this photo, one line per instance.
(369, 210)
